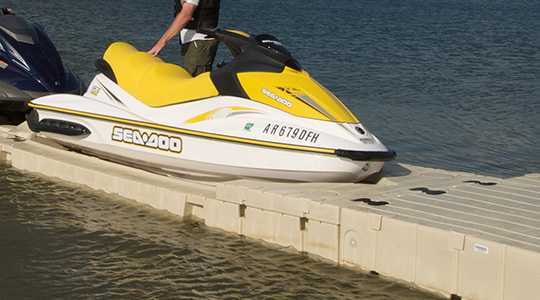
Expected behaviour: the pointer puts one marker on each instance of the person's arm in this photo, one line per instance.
(179, 22)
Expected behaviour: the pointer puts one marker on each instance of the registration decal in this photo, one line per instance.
(291, 132)
(248, 126)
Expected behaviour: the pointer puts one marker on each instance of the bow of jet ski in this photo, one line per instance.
(30, 67)
(259, 116)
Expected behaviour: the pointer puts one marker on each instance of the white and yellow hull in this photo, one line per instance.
(209, 135)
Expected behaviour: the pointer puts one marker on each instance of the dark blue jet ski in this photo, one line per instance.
(30, 67)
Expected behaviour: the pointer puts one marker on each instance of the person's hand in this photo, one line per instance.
(156, 49)
(6, 11)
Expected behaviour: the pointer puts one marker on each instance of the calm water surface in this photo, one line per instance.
(451, 84)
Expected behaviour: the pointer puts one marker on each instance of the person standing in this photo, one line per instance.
(191, 16)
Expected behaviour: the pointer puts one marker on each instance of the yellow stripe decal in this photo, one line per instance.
(189, 132)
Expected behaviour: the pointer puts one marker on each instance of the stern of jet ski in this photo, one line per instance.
(55, 126)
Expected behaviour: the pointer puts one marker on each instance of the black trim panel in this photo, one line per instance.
(104, 67)
(367, 155)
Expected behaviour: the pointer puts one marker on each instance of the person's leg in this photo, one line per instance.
(199, 56)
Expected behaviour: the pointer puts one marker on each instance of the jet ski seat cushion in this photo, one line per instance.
(153, 81)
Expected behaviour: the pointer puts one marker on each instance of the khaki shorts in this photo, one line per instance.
(199, 56)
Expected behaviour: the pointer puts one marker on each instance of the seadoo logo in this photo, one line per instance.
(277, 98)
(149, 140)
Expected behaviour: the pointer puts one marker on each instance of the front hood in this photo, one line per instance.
(27, 49)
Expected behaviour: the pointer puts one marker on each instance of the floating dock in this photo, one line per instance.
(463, 235)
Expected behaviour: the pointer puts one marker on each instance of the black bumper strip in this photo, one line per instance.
(367, 155)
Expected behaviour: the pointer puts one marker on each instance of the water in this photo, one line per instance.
(67, 242)
(450, 84)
